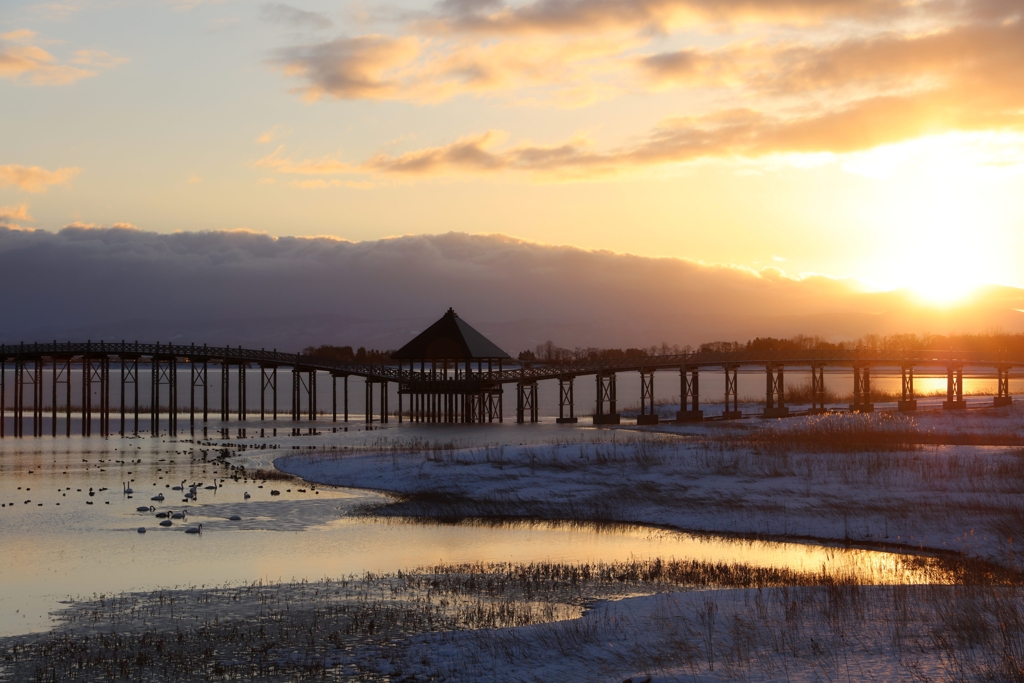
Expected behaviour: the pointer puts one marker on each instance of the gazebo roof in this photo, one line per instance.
(450, 338)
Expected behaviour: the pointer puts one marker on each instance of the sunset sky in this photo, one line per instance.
(867, 139)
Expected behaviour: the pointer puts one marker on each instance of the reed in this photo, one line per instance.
(369, 627)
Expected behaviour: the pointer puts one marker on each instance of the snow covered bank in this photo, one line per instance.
(804, 478)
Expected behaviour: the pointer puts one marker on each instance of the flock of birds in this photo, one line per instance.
(191, 494)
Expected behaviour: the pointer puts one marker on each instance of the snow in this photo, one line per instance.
(708, 478)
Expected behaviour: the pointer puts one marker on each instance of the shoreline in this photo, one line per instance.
(950, 500)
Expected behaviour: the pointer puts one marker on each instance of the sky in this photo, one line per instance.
(868, 145)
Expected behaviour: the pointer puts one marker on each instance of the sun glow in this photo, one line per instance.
(941, 236)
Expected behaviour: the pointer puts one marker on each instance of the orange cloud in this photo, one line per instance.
(322, 166)
(560, 16)
(432, 70)
(22, 61)
(273, 134)
(320, 184)
(15, 213)
(845, 97)
(34, 178)
(738, 133)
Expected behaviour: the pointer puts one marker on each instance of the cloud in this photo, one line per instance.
(731, 134)
(34, 178)
(851, 96)
(273, 134)
(321, 184)
(24, 62)
(15, 213)
(349, 68)
(412, 68)
(983, 55)
(471, 153)
(241, 287)
(322, 166)
(560, 16)
(286, 14)
(97, 58)
(821, 84)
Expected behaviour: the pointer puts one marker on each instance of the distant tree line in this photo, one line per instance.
(345, 353)
(548, 352)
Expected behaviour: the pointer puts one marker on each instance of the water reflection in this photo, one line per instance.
(69, 528)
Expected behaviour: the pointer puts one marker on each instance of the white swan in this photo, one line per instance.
(194, 529)
(158, 497)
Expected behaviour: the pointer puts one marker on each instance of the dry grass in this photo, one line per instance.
(361, 628)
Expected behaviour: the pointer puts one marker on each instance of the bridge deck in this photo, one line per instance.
(524, 371)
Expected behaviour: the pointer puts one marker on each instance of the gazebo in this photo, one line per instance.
(450, 373)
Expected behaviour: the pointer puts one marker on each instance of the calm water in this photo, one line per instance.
(59, 541)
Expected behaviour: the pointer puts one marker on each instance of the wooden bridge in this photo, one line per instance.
(466, 390)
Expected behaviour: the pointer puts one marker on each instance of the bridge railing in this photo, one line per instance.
(525, 371)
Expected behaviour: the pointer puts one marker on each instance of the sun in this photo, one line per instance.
(941, 236)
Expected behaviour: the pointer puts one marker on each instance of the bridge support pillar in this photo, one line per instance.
(647, 415)
(606, 395)
(954, 388)
(19, 395)
(368, 388)
(268, 380)
(566, 400)
(817, 389)
(225, 390)
(526, 401)
(37, 400)
(1003, 397)
(129, 375)
(197, 372)
(908, 402)
(164, 371)
(300, 386)
(732, 393)
(87, 377)
(369, 416)
(775, 392)
(493, 397)
(311, 399)
(689, 396)
(242, 407)
(862, 390)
